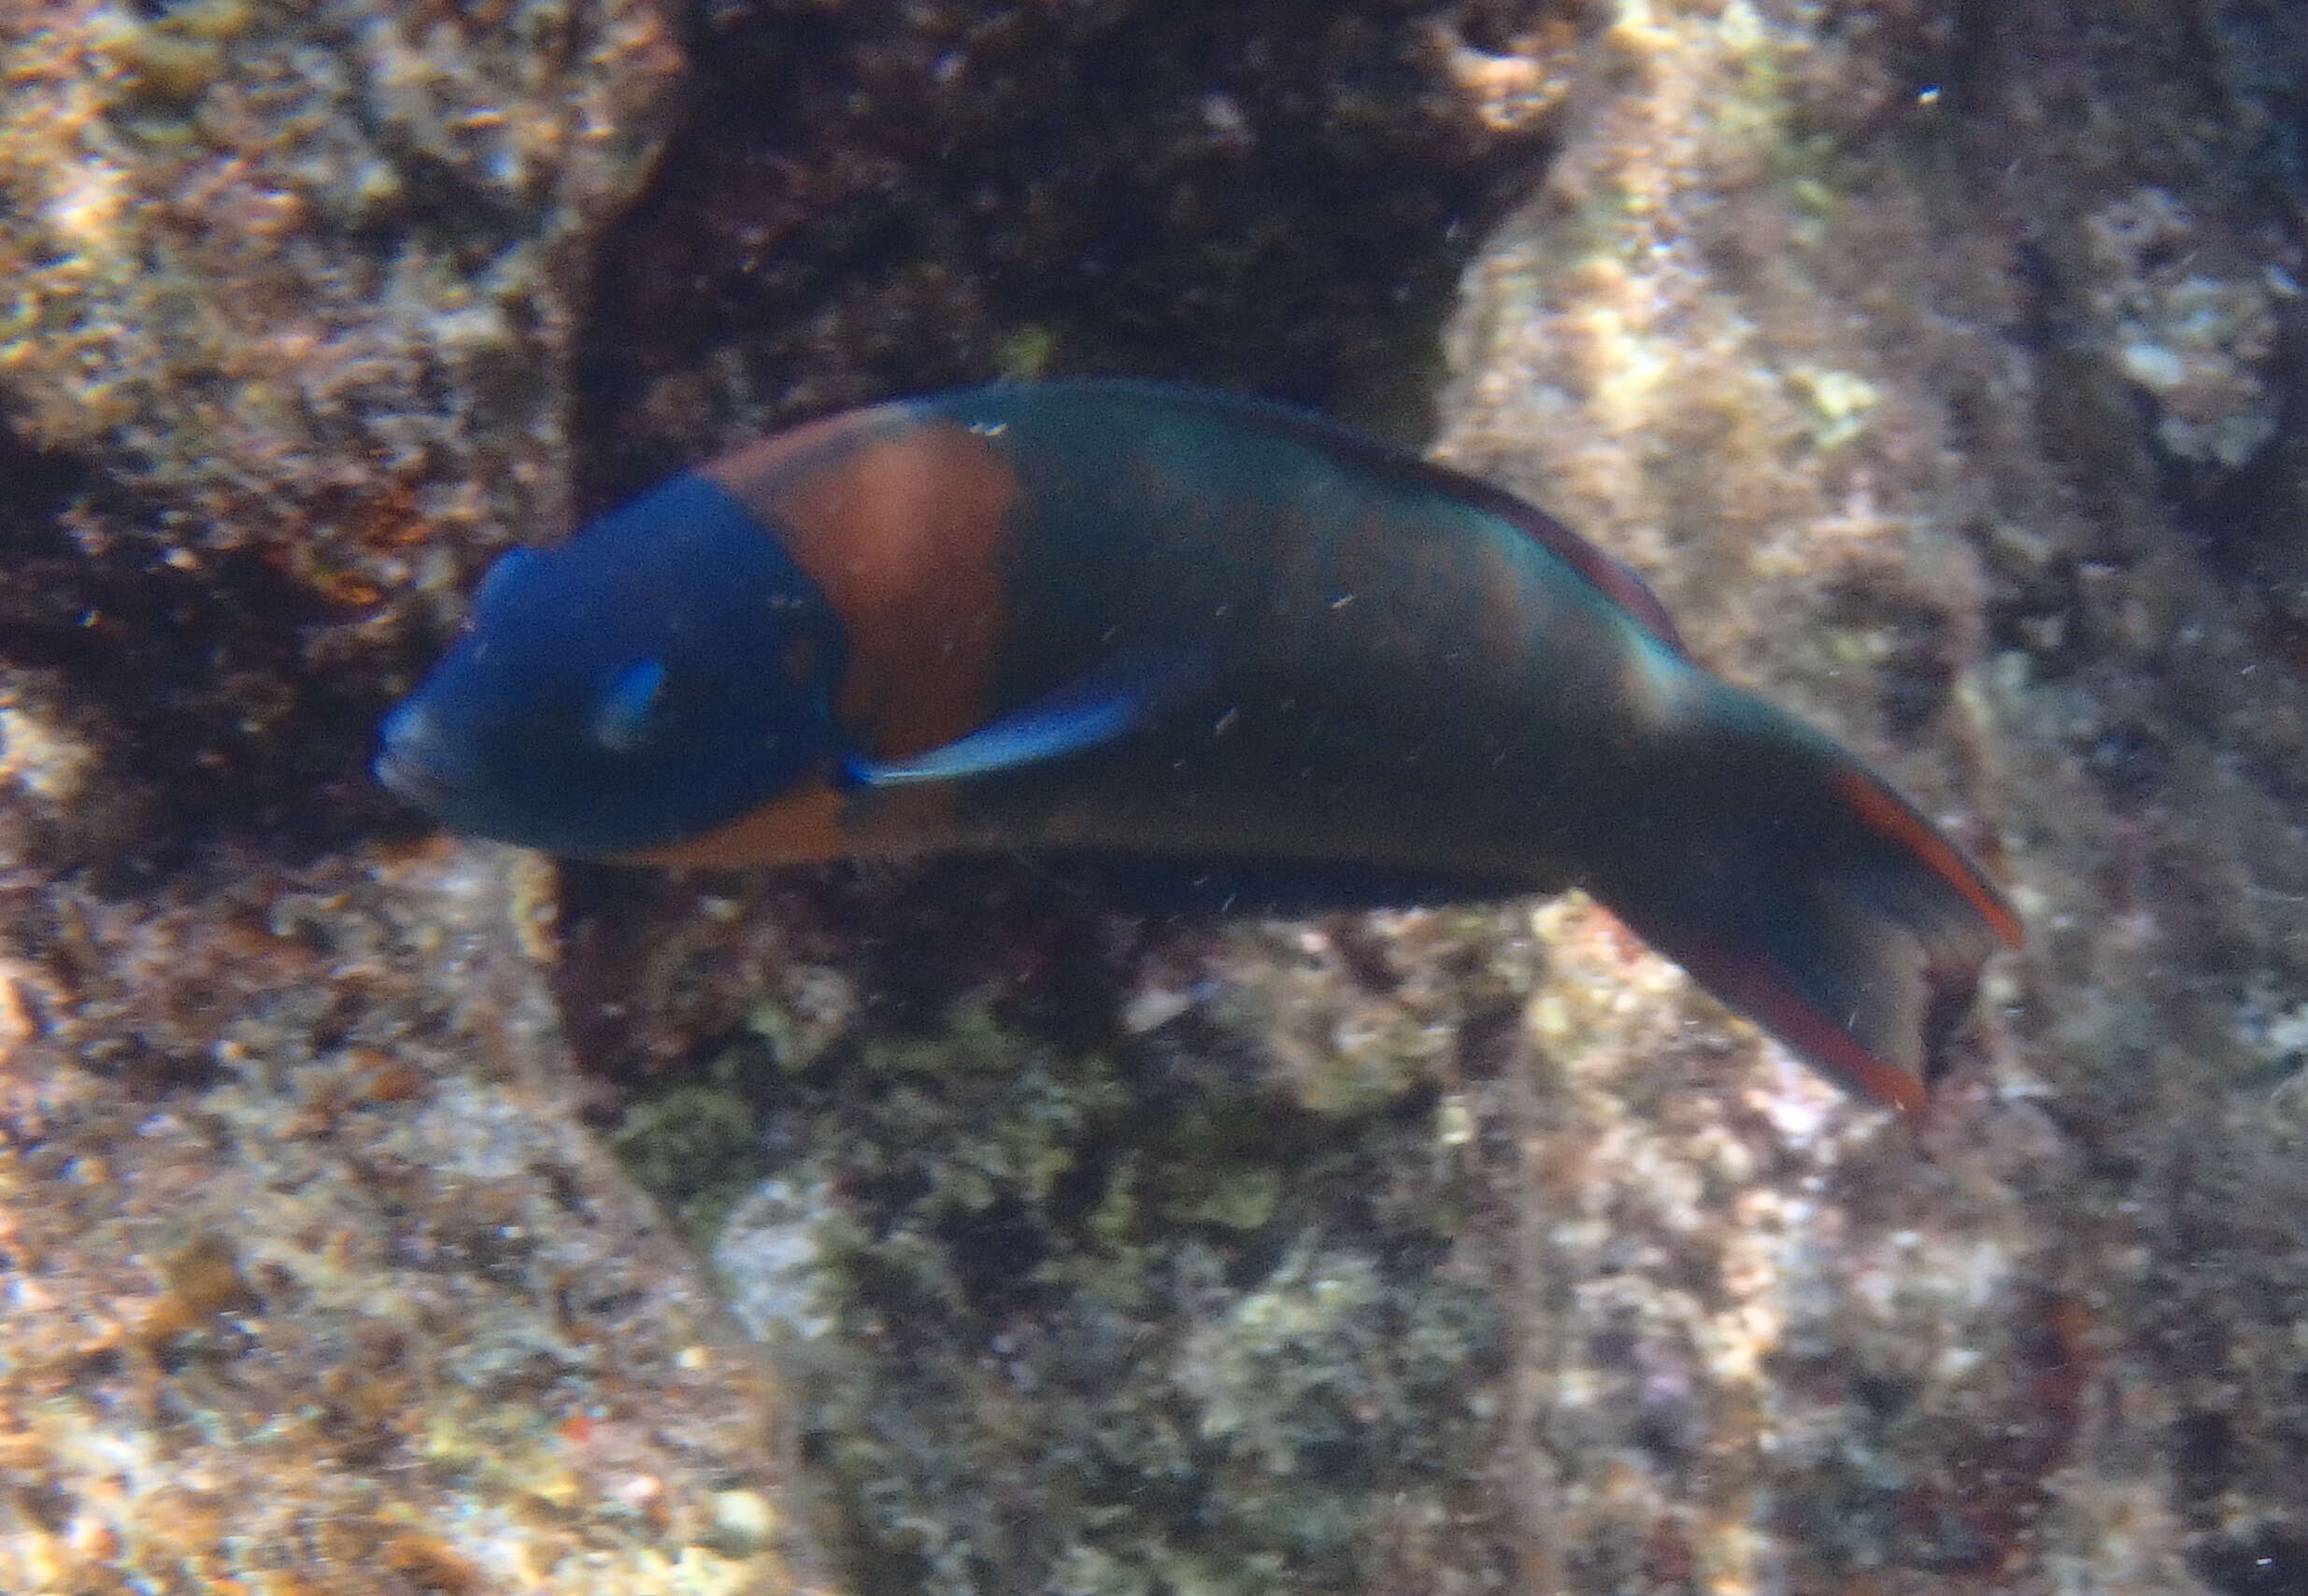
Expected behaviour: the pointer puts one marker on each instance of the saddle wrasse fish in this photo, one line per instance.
(1197, 635)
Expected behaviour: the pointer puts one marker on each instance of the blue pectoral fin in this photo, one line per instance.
(1121, 693)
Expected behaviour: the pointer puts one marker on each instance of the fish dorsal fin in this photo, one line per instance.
(1612, 577)
(1615, 578)
(1119, 695)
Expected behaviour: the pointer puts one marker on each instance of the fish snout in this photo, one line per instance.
(416, 761)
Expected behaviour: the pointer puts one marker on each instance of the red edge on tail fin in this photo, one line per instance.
(1886, 813)
(1751, 982)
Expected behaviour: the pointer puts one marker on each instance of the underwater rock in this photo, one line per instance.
(889, 195)
(1812, 326)
(314, 1284)
(1743, 1336)
(300, 269)
(1409, 1253)
(2198, 341)
(292, 291)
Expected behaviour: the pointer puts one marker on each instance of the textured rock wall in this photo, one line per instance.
(1941, 365)
(313, 1282)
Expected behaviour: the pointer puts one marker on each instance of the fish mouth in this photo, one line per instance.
(414, 761)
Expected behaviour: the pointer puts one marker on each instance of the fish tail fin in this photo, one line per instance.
(1793, 883)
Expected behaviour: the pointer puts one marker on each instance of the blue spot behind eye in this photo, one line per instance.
(623, 720)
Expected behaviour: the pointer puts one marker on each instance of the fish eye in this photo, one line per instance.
(621, 719)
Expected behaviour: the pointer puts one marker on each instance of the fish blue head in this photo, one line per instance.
(667, 668)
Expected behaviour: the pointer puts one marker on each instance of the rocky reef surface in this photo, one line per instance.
(389, 1215)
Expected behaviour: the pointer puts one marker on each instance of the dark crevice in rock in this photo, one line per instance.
(199, 689)
(889, 198)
